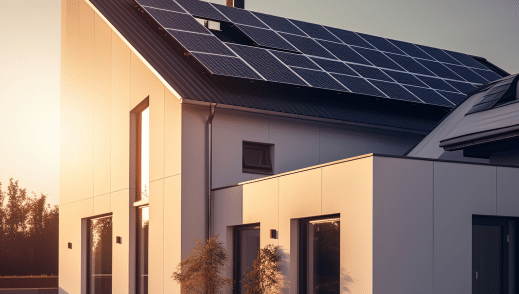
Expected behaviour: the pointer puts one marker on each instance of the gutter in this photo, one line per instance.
(210, 169)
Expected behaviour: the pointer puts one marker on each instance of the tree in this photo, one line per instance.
(2, 214)
(265, 277)
(16, 210)
(200, 272)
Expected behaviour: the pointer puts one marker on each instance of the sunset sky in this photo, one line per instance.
(30, 60)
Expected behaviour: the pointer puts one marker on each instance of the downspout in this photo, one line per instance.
(210, 169)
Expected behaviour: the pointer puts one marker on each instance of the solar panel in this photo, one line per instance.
(395, 91)
(307, 45)
(381, 44)
(462, 87)
(294, 59)
(487, 74)
(349, 37)
(241, 16)
(162, 4)
(378, 58)
(429, 96)
(315, 31)
(412, 50)
(266, 64)
(440, 70)
(279, 23)
(344, 52)
(334, 66)
(371, 72)
(437, 83)
(177, 21)
(455, 98)
(409, 64)
(201, 9)
(358, 85)
(405, 78)
(438, 54)
(201, 43)
(465, 59)
(319, 79)
(467, 74)
(266, 38)
(226, 66)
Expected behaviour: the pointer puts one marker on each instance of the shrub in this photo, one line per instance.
(265, 277)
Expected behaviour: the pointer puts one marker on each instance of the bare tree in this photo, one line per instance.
(200, 272)
(265, 277)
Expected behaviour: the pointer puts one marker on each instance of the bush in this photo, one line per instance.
(265, 277)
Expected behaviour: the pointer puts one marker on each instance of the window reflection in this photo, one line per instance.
(144, 168)
(320, 254)
(100, 255)
(142, 249)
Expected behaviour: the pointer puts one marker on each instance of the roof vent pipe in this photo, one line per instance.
(236, 3)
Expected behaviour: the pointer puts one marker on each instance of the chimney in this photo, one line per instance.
(236, 3)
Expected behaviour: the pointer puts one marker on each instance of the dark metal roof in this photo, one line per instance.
(193, 83)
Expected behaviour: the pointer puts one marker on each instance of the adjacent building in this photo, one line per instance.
(374, 164)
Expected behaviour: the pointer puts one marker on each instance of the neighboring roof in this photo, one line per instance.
(194, 82)
(491, 118)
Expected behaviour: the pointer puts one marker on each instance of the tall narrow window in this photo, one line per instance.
(320, 255)
(246, 247)
(99, 277)
(140, 116)
(143, 220)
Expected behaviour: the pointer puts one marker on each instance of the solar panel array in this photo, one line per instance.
(306, 54)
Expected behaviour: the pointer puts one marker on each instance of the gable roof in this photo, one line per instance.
(190, 76)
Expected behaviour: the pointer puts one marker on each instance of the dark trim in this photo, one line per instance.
(236, 253)
(491, 66)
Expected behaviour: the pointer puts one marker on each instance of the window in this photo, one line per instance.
(99, 265)
(320, 255)
(143, 220)
(257, 158)
(246, 247)
(143, 154)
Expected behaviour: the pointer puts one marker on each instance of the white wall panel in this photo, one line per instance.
(508, 191)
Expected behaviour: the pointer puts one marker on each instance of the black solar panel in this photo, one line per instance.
(437, 83)
(237, 15)
(465, 59)
(319, 79)
(440, 70)
(334, 66)
(358, 85)
(350, 38)
(378, 58)
(381, 44)
(279, 23)
(409, 64)
(487, 74)
(429, 96)
(162, 4)
(266, 38)
(411, 50)
(315, 30)
(226, 66)
(467, 74)
(292, 59)
(438, 54)
(371, 72)
(307, 45)
(201, 9)
(395, 91)
(344, 52)
(177, 21)
(266, 64)
(405, 78)
(462, 87)
(201, 43)
(453, 97)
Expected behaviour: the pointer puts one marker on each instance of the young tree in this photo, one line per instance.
(16, 210)
(265, 277)
(200, 272)
(2, 214)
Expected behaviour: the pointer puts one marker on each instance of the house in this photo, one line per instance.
(182, 119)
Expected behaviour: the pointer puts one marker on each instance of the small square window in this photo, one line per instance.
(257, 158)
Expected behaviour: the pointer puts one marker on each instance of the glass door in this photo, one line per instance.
(99, 278)
(246, 247)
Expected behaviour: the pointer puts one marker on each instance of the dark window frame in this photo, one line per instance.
(236, 253)
(268, 149)
(303, 248)
(138, 133)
